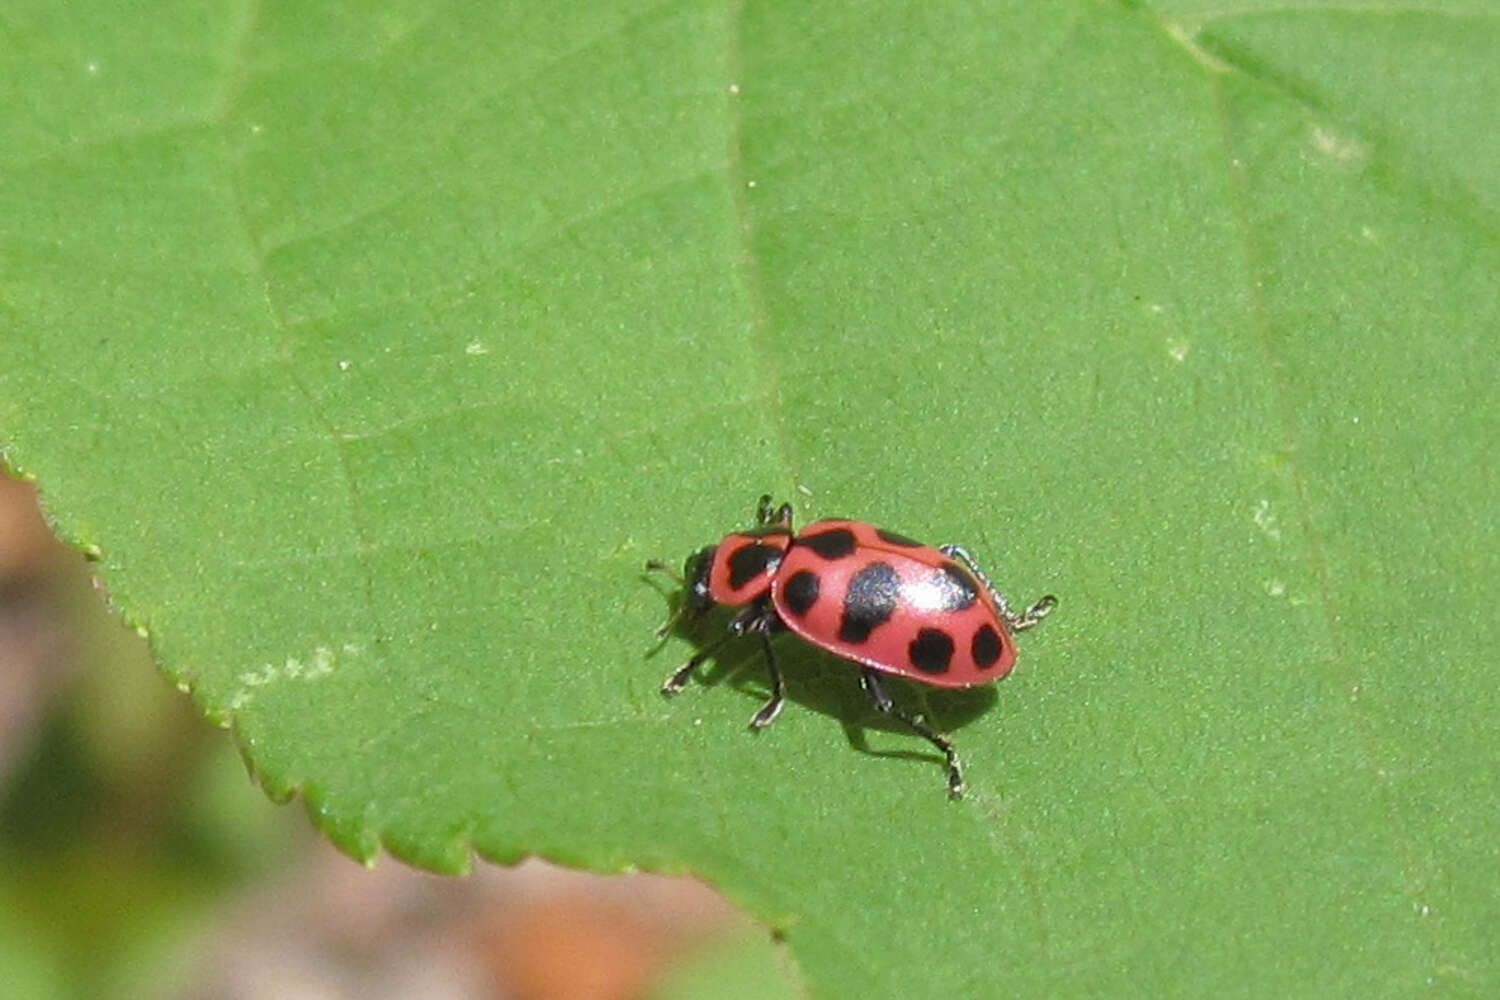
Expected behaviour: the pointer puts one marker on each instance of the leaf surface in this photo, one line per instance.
(374, 351)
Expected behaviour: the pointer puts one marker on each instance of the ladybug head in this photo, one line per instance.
(695, 598)
(695, 578)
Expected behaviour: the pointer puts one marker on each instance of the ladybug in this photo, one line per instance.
(879, 599)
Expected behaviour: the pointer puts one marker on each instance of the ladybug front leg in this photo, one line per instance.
(679, 678)
(738, 626)
(870, 681)
(1018, 622)
(759, 619)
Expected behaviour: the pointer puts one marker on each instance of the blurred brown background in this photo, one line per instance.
(138, 860)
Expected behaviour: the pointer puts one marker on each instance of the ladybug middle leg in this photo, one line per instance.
(870, 680)
(1018, 622)
(767, 623)
(767, 515)
(772, 708)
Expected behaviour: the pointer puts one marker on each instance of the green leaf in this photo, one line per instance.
(374, 350)
(731, 967)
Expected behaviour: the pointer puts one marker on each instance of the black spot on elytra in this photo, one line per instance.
(749, 561)
(931, 651)
(834, 544)
(801, 592)
(956, 589)
(895, 539)
(986, 646)
(870, 602)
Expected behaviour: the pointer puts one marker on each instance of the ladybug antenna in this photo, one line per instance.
(671, 623)
(657, 566)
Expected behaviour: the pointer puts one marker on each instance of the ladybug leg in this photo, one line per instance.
(679, 678)
(762, 619)
(766, 515)
(772, 708)
(1032, 615)
(870, 681)
(1018, 622)
(746, 621)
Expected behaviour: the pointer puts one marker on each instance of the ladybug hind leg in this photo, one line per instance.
(1018, 622)
(870, 680)
(1031, 616)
